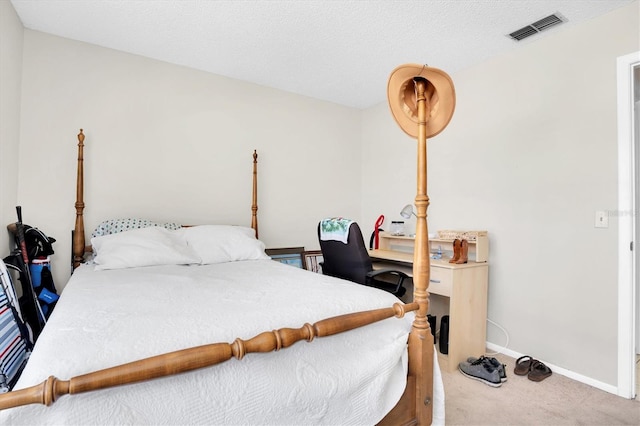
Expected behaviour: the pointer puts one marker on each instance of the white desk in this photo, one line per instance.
(465, 286)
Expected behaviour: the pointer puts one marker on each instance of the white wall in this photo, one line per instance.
(11, 36)
(170, 143)
(529, 155)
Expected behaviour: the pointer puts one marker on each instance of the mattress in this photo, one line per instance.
(110, 317)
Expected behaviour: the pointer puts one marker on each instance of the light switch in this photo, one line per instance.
(602, 219)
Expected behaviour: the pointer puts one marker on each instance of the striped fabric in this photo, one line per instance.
(13, 347)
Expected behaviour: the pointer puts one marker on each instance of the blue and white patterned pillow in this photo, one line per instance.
(114, 226)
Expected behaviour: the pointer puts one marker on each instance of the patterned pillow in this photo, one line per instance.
(114, 226)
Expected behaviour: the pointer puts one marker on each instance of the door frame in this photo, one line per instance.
(627, 308)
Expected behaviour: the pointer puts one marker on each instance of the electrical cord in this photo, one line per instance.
(505, 333)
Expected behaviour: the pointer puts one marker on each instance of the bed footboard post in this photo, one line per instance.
(420, 340)
(422, 101)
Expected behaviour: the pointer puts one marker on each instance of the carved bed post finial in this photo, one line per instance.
(78, 234)
(254, 202)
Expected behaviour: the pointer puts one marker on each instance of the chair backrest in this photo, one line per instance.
(349, 261)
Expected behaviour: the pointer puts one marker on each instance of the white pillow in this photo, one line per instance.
(142, 247)
(224, 243)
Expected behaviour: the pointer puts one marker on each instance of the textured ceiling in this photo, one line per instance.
(339, 51)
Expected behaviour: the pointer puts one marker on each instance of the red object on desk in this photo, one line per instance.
(377, 231)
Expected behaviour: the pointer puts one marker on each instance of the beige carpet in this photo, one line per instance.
(556, 400)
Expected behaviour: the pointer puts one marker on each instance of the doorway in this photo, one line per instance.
(628, 77)
(636, 149)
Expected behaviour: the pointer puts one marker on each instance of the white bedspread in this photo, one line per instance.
(106, 318)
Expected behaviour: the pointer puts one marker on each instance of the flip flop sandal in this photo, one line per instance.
(523, 365)
(539, 371)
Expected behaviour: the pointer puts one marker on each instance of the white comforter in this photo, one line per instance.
(106, 318)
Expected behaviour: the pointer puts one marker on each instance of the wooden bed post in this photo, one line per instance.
(416, 405)
(421, 350)
(254, 194)
(78, 233)
(422, 101)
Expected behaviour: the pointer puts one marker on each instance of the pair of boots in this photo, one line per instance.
(460, 251)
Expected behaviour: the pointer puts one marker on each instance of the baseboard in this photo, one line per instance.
(559, 370)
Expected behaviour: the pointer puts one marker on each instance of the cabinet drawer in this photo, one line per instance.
(441, 281)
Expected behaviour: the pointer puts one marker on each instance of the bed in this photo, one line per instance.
(182, 335)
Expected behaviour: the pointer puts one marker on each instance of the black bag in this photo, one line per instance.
(38, 244)
(39, 294)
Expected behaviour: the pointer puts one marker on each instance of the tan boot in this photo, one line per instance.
(464, 252)
(456, 251)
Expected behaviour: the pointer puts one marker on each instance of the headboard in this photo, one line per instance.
(79, 245)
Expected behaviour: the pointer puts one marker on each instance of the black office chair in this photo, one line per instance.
(351, 262)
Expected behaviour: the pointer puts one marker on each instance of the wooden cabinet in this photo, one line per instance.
(460, 291)
(457, 290)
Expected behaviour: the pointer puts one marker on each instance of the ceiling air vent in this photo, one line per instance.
(538, 26)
